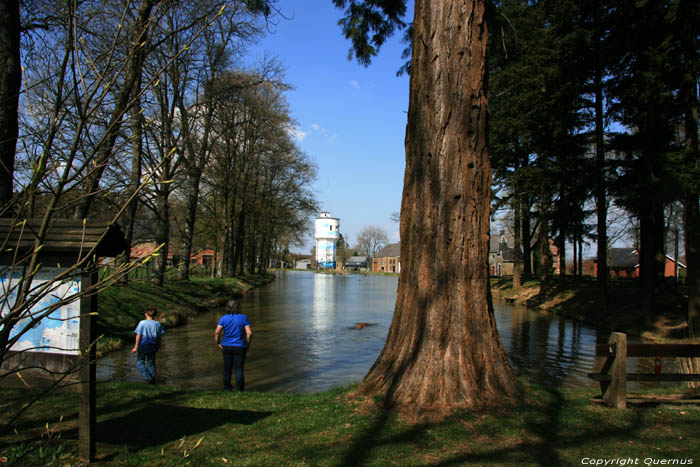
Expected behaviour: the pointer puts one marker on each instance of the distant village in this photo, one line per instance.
(622, 262)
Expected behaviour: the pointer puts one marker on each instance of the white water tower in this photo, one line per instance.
(326, 232)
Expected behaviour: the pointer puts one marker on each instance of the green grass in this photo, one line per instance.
(121, 306)
(159, 425)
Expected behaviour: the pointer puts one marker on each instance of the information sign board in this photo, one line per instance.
(58, 332)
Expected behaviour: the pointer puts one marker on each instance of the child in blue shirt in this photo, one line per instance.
(148, 334)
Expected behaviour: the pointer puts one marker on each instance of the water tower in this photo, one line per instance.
(327, 230)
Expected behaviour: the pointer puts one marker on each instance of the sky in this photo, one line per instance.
(351, 119)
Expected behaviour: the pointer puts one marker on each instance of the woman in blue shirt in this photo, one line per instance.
(234, 345)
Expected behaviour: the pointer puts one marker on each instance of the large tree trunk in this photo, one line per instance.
(194, 177)
(691, 220)
(517, 265)
(526, 238)
(692, 252)
(162, 235)
(601, 202)
(10, 83)
(443, 350)
(543, 242)
(129, 216)
(651, 257)
(561, 244)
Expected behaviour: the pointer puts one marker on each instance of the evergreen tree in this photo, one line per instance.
(645, 100)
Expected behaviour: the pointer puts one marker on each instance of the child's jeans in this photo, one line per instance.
(146, 363)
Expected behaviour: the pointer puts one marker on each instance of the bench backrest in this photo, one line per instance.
(651, 350)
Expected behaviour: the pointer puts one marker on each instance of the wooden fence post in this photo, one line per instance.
(615, 394)
(88, 376)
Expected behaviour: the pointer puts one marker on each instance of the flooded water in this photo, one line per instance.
(306, 338)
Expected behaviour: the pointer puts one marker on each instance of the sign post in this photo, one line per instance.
(87, 416)
(63, 242)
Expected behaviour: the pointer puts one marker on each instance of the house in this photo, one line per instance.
(671, 265)
(355, 263)
(501, 254)
(146, 248)
(302, 261)
(388, 259)
(204, 258)
(624, 262)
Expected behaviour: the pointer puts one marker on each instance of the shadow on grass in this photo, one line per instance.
(548, 431)
(159, 424)
(548, 437)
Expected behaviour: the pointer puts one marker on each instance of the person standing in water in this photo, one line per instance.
(237, 334)
(147, 342)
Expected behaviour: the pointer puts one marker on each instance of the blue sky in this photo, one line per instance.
(351, 119)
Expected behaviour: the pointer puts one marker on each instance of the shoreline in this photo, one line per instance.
(580, 300)
(121, 306)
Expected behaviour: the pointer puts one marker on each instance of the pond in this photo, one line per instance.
(306, 338)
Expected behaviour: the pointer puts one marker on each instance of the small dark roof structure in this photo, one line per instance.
(508, 254)
(356, 261)
(496, 241)
(503, 244)
(624, 258)
(63, 237)
(390, 250)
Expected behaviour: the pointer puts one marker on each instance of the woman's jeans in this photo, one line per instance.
(234, 358)
(146, 363)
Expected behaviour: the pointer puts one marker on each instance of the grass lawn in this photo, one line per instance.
(159, 425)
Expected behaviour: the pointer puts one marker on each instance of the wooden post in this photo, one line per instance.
(88, 374)
(615, 394)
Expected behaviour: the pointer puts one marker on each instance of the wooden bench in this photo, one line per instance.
(613, 374)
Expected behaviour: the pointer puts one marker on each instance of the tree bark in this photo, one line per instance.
(526, 238)
(651, 256)
(561, 244)
(443, 350)
(691, 219)
(692, 252)
(543, 241)
(10, 84)
(691, 203)
(162, 235)
(601, 202)
(517, 262)
(136, 122)
(194, 176)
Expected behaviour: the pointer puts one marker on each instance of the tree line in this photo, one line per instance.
(594, 105)
(144, 112)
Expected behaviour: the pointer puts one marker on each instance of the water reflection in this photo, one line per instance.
(305, 338)
(547, 348)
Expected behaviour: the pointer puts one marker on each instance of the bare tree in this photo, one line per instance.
(371, 239)
(10, 84)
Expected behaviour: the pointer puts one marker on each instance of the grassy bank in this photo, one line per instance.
(121, 306)
(580, 300)
(158, 425)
